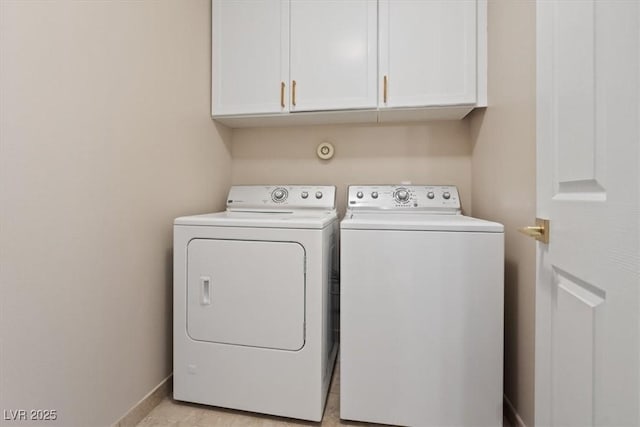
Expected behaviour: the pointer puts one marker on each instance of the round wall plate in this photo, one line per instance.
(325, 150)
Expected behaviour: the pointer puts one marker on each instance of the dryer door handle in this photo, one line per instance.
(205, 286)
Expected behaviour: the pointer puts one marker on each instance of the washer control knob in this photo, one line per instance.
(446, 195)
(318, 194)
(359, 195)
(374, 195)
(402, 195)
(431, 195)
(305, 194)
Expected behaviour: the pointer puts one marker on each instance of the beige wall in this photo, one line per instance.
(105, 138)
(503, 186)
(436, 153)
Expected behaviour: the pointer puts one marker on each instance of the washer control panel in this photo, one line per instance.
(436, 198)
(251, 197)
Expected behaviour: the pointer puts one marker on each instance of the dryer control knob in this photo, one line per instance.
(374, 194)
(359, 195)
(318, 194)
(304, 194)
(279, 195)
(446, 195)
(431, 195)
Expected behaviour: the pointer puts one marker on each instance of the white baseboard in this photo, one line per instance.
(146, 404)
(511, 414)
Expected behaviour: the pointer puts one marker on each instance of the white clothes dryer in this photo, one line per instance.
(421, 335)
(252, 301)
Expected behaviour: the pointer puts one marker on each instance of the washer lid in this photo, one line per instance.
(272, 219)
(425, 222)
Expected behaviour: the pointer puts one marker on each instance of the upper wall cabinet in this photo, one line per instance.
(428, 56)
(250, 56)
(278, 62)
(333, 54)
(273, 57)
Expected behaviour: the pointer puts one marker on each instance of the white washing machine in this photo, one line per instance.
(421, 309)
(252, 302)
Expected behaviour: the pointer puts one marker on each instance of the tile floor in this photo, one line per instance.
(179, 414)
(172, 413)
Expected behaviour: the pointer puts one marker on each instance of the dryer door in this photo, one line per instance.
(246, 292)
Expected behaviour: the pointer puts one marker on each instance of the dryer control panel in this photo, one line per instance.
(281, 197)
(435, 198)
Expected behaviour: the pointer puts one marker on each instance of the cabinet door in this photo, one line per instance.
(427, 52)
(333, 54)
(250, 56)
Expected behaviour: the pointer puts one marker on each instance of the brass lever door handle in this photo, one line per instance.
(540, 231)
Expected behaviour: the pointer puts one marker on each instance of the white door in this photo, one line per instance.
(333, 54)
(245, 292)
(588, 286)
(250, 70)
(427, 53)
